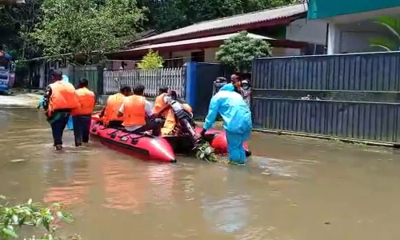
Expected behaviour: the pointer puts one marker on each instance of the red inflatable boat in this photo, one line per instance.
(148, 147)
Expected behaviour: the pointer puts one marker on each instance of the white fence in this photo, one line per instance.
(152, 79)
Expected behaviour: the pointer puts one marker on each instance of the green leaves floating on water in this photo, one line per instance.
(30, 214)
(205, 152)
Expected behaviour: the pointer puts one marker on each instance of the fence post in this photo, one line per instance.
(191, 83)
(100, 79)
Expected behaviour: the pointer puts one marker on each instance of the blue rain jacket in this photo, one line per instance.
(235, 112)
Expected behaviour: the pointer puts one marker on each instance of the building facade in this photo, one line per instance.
(351, 24)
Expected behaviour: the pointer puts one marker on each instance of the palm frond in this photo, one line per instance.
(384, 43)
(392, 24)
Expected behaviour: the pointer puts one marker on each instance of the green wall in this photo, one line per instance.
(330, 8)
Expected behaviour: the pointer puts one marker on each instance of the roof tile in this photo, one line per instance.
(237, 20)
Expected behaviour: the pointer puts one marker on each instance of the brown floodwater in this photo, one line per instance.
(315, 189)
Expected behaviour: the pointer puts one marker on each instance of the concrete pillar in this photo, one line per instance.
(333, 37)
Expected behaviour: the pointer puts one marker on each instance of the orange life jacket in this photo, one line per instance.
(134, 111)
(170, 120)
(86, 99)
(160, 104)
(114, 102)
(62, 97)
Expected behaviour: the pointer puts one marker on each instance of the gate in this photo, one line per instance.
(206, 74)
(348, 96)
(151, 79)
(93, 73)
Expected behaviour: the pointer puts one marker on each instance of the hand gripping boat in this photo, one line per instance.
(148, 147)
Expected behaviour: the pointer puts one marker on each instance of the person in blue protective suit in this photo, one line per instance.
(236, 115)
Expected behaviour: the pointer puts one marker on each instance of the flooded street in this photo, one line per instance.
(315, 189)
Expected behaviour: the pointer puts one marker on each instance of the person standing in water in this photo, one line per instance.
(58, 102)
(236, 116)
(70, 124)
(82, 115)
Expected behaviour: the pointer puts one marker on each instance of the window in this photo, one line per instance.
(197, 56)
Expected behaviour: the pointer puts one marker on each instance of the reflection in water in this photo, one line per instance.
(162, 179)
(311, 183)
(4, 120)
(225, 206)
(67, 195)
(227, 215)
(74, 185)
(124, 187)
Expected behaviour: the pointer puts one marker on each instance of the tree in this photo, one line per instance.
(239, 51)
(87, 27)
(166, 15)
(17, 22)
(388, 43)
(152, 60)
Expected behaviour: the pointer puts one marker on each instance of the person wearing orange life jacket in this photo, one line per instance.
(82, 115)
(137, 113)
(58, 102)
(109, 114)
(161, 102)
(172, 123)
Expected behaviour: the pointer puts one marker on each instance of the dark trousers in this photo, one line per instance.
(151, 124)
(58, 126)
(81, 128)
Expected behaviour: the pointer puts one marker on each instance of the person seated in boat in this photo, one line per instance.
(82, 115)
(236, 116)
(174, 116)
(161, 102)
(109, 114)
(137, 114)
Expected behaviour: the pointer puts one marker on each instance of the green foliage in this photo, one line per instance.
(168, 15)
(17, 22)
(239, 51)
(205, 152)
(31, 214)
(152, 60)
(87, 27)
(391, 43)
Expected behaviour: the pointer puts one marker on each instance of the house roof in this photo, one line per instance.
(201, 43)
(194, 41)
(234, 21)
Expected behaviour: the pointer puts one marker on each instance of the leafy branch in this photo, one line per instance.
(12, 218)
(391, 43)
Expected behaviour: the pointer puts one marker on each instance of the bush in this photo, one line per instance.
(151, 61)
(239, 51)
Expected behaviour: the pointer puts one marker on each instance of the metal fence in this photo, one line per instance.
(349, 96)
(92, 73)
(174, 78)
